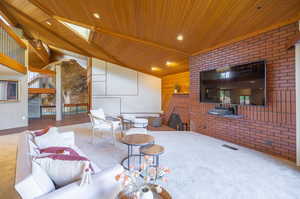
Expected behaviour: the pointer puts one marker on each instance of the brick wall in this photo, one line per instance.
(270, 129)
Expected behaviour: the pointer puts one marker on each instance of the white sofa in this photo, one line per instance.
(104, 185)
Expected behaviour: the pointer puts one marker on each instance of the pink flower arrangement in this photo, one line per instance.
(133, 179)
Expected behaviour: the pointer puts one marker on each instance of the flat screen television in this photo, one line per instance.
(241, 84)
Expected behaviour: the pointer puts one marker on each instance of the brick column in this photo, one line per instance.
(297, 72)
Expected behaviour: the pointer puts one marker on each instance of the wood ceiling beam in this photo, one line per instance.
(243, 37)
(116, 61)
(42, 71)
(122, 36)
(90, 42)
(41, 53)
(7, 15)
(12, 64)
(90, 39)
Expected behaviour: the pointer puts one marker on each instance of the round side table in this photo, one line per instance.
(135, 140)
(155, 151)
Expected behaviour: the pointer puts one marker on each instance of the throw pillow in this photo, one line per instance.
(64, 169)
(42, 182)
(51, 138)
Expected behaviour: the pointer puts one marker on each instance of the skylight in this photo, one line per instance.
(82, 31)
(4, 20)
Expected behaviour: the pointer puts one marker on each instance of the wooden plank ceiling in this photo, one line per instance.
(141, 34)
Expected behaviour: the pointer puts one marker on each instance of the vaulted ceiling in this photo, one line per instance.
(141, 34)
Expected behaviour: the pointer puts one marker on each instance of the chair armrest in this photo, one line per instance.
(104, 186)
(68, 138)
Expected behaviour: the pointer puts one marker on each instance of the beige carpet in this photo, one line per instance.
(201, 167)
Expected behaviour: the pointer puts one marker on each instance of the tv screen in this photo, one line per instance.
(242, 84)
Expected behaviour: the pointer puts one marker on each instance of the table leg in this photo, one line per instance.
(140, 161)
(156, 166)
(129, 154)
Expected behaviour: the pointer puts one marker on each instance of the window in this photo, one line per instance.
(244, 99)
(82, 31)
(9, 90)
(225, 75)
(4, 20)
(225, 96)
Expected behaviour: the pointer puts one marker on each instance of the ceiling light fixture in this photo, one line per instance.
(48, 23)
(169, 63)
(179, 37)
(155, 69)
(96, 15)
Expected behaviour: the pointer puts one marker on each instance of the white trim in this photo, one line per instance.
(58, 93)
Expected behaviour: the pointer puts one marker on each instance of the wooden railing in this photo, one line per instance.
(12, 49)
(68, 109)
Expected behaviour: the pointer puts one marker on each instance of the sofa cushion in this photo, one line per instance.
(63, 169)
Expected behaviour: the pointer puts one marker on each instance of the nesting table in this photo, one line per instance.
(135, 140)
(155, 151)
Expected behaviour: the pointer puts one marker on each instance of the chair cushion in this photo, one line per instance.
(136, 131)
(98, 113)
(140, 123)
(63, 169)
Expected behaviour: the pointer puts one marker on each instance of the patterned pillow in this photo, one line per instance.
(64, 169)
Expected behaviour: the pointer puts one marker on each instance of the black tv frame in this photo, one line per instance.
(265, 89)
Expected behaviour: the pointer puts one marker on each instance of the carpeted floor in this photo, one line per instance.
(201, 167)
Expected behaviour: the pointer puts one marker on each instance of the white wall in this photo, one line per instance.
(121, 90)
(15, 114)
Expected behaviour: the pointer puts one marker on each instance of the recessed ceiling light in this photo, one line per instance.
(179, 37)
(96, 15)
(155, 69)
(169, 63)
(48, 23)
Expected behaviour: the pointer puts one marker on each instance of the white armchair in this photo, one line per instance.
(102, 122)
